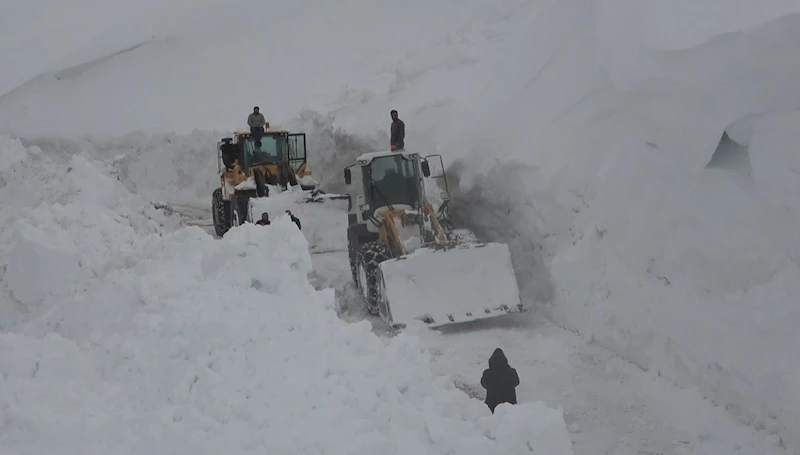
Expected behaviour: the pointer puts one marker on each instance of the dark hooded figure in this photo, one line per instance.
(500, 381)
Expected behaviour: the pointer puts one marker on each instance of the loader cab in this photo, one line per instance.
(271, 148)
(390, 179)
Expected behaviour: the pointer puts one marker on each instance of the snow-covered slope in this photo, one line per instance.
(121, 330)
(584, 133)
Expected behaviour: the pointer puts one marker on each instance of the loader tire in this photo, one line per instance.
(240, 209)
(262, 190)
(352, 255)
(220, 210)
(370, 255)
(292, 176)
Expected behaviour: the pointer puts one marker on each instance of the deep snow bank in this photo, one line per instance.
(690, 272)
(548, 103)
(169, 340)
(174, 168)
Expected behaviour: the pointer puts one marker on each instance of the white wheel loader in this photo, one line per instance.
(406, 257)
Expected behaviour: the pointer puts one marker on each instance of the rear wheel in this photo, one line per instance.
(368, 274)
(220, 209)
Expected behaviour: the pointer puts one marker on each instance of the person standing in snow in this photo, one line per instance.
(256, 122)
(294, 219)
(264, 221)
(398, 132)
(500, 381)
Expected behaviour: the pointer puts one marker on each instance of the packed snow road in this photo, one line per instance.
(610, 405)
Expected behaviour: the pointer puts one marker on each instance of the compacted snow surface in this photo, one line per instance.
(135, 338)
(639, 158)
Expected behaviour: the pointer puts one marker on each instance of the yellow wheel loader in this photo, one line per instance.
(248, 163)
(406, 257)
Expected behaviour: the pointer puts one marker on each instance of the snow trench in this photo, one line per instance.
(120, 328)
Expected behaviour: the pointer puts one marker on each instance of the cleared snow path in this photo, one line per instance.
(611, 406)
(121, 328)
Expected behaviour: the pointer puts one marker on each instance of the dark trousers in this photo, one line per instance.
(257, 131)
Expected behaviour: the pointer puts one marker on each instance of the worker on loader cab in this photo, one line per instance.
(256, 122)
(398, 130)
(264, 221)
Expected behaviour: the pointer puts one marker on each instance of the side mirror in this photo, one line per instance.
(347, 177)
(426, 169)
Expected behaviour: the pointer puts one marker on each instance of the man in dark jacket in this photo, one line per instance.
(500, 381)
(398, 130)
(264, 221)
(294, 219)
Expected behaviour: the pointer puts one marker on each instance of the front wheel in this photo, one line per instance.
(220, 209)
(368, 273)
(262, 190)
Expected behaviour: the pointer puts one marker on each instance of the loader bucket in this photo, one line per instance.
(449, 286)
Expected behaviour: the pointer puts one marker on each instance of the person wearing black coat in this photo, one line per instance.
(295, 220)
(500, 381)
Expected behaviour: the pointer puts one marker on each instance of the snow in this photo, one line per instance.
(583, 134)
(464, 284)
(178, 340)
(248, 184)
(324, 223)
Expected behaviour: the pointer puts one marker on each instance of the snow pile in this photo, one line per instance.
(324, 223)
(45, 195)
(136, 338)
(174, 168)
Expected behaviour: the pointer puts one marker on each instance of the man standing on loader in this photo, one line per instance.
(256, 122)
(398, 130)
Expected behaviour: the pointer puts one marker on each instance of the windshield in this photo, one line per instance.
(265, 150)
(392, 180)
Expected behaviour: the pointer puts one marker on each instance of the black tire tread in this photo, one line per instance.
(370, 255)
(219, 212)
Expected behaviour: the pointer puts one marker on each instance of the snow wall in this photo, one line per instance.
(637, 155)
(121, 329)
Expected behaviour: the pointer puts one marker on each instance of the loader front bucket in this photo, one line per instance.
(449, 286)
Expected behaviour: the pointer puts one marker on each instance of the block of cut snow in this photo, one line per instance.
(40, 264)
(456, 285)
(512, 426)
(11, 152)
(324, 224)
